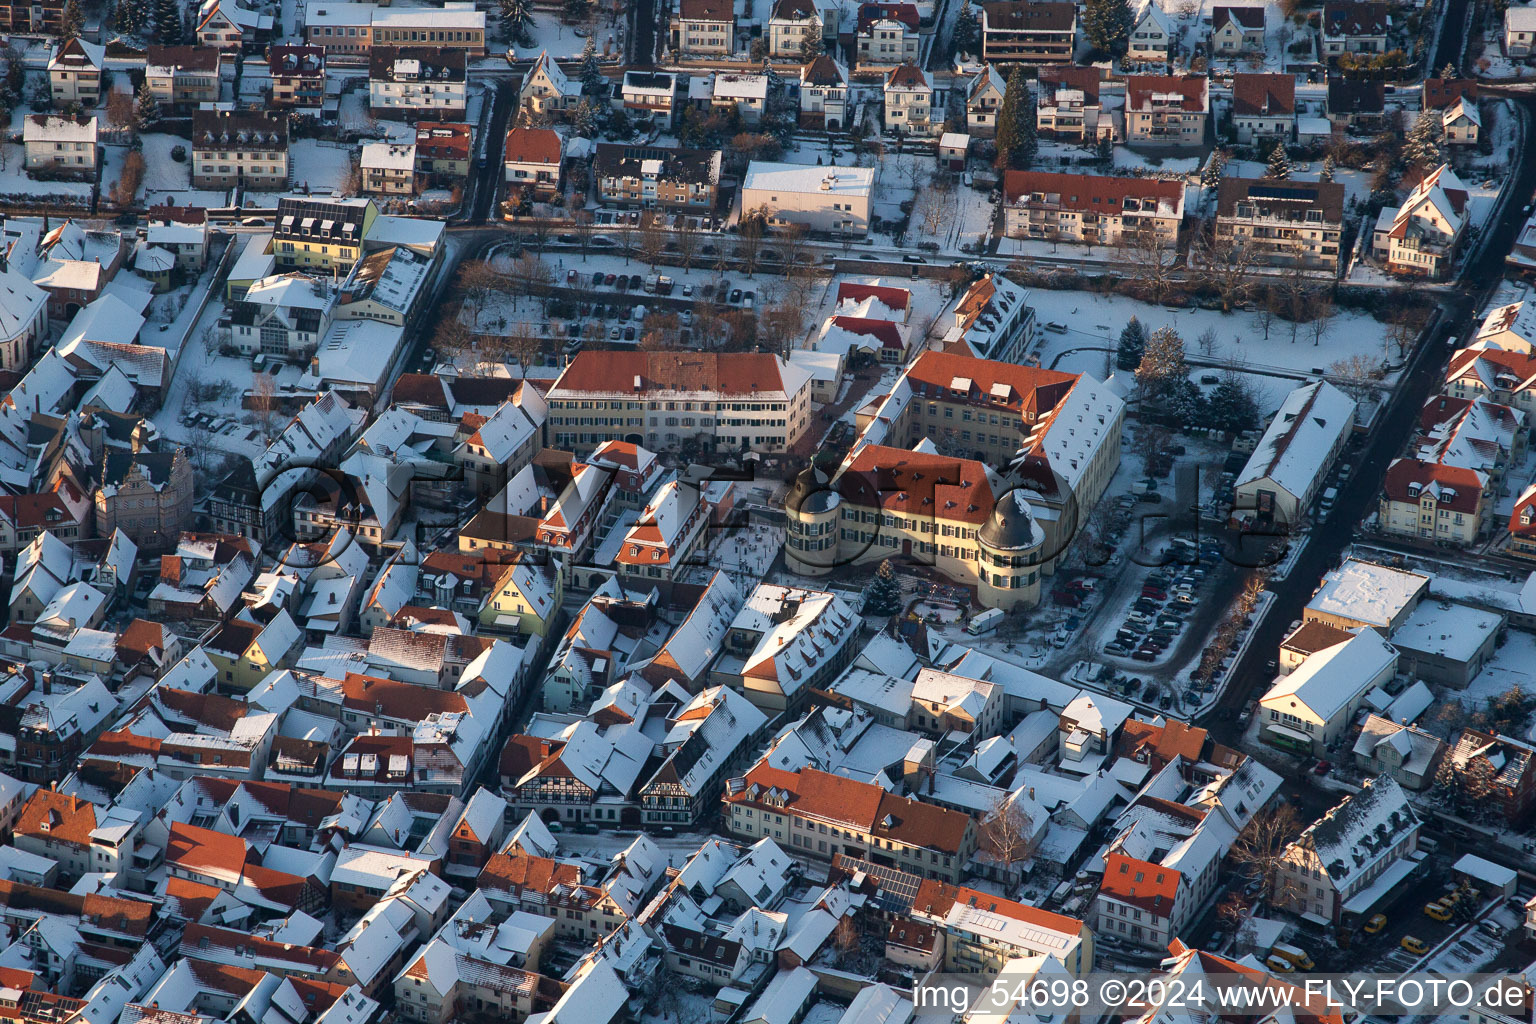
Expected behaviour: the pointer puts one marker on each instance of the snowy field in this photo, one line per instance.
(1274, 366)
(548, 33)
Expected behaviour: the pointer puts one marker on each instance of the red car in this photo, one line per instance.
(1154, 593)
(1322, 768)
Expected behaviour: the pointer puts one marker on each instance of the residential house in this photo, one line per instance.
(283, 315)
(887, 34)
(666, 177)
(240, 149)
(1282, 223)
(416, 82)
(1420, 237)
(704, 28)
(182, 231)
(1356, 106)
(244, 652)
(531, 160)
(388, 169)
(443, 153)
(147, 495)
(74, 74)
(1167, 110)
(650, 94)
(1405, 752)
(824, 94)
(230, 25)
(1263, 108)
(1237, 30)
(1152, 35)
(663, 543)
(789, 25)
(1462, 123)
(61, 146)
(298, 77)
(546, 89)
(1519, 36)
(1067, 104)
(1354, 26)
(1021, 32)
(909, 101)
(1092, 209)
(182, 78)
(747, 95)
(983, 98)
(783, 643)
(1498, 769)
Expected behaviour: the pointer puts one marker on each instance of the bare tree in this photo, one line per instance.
(1206, 342)
(532, 276)
(1358, 376)
(1007, 833)
(1261, 846)
(687, 241)
(754, 224)
(653, 237)
(263, 403)
(1154, 259)
(479, 281)
(1322, 316)
(453, 339)
(626, 233)
(1404, 328)
(1227, 264)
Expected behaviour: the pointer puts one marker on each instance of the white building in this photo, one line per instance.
(831, 200)
(1309, 710)
(1286, 470)
(60, 145)
(1353, 858)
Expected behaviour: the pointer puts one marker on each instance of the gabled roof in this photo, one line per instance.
(1255, 95)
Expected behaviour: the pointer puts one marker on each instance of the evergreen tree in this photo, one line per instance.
(1108, 24)
(1279, 164)
(130, 16)
(74, 21)
(1326, 174)
(592, 79)
(516, 15)
(811, 44)
(1215, 167)
(759, 50)
(1423, 146)
(1016, 142)
(583, 119)
(146, 109)
(1232, 407)
(884, 594)
(1133, 341)
(1448, 72)
(168, 21)
(576, 11)
(1162, 366)
(967, 31)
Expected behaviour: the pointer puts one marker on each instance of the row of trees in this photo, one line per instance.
(140, 18)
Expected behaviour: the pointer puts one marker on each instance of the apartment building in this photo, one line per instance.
(74, 74)
(818, 815)
(416, 82)
(455, 26)
(1282, 223)
(666, 177)
(1435, 501)
(909, 102)
(1167, 110)
(60, 145)
(320, 234)
(1067, 104)
(1363, 847)
(887, 34)
(298, 76)
(40, 17)
(240, 149)
(828, 200)
(1091, 210)
(728, 400)
(705, 27)
(181, 78)
(1020, 32)
(789, 23)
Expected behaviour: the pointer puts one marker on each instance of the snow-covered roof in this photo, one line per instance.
(1454, 632)
(1328, 681)
(1294, 448)
(809, 179)
(1368, 593)
(388, 156)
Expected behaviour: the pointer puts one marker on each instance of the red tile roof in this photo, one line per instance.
(1071, 76)
(50, 815)
(892, 298)
(1263, 95)
(1192, 91)
(730, 373)
(1465, 484)
(861, 805)
(533, 146)
(1142, 884)
(918, 484)
(1090, 193)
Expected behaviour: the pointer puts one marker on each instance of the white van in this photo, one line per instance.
(985, 622)
(1330, 496)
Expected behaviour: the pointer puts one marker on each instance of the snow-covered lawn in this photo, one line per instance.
(1509, 667)
(566, 41)
(322, 167)
(1094, 322)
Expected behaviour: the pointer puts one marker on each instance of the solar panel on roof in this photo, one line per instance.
(1282, 192)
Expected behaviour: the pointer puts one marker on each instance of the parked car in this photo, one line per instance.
(735, 296)
(608, 280)
(597, 279)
